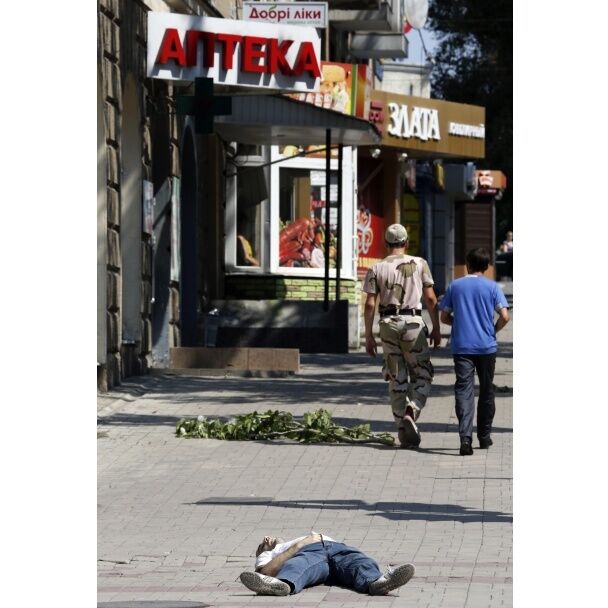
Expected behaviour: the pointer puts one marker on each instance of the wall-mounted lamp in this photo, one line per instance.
(375, 152)
(402, 156)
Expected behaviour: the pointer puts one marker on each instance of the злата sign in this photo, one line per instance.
(232, 52)
(430, 126)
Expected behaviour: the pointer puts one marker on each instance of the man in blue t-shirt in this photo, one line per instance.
(468, 306)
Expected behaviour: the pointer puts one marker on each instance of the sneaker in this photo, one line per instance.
(409, 436)
(392, 579)
(466, 449)
(485, 442)
(264, 585)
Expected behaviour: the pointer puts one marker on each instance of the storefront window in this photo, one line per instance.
(275, 213)
(302, 208)
(249, 150)
(250, 196)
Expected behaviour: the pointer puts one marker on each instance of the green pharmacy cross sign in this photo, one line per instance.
(203, 105)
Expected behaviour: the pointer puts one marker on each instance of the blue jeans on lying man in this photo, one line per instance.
(331, 563)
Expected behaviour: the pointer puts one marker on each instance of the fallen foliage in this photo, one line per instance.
(315, 427)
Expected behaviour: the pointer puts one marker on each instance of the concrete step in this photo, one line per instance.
(207, 372)
(235, 358)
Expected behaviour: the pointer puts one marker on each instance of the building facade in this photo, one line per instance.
(138, 153)
(240, 236)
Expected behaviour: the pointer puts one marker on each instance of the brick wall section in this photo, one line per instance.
(288, 288)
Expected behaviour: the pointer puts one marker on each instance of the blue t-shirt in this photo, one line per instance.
(472, 301)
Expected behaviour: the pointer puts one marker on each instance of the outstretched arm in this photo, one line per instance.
(274, 565)
(430, 299)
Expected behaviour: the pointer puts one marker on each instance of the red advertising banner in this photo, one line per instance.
(345, 87)
(370, 214)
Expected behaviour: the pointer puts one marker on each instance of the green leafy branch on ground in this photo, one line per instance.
(315, 427)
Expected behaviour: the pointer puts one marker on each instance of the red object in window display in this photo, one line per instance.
(294, 242)
(292, 230)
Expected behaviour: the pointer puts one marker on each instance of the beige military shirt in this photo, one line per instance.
(396, 276)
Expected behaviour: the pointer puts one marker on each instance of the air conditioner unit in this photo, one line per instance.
(460, 180)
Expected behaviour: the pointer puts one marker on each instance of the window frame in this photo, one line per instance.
(347, 270)
(230, 217)
(270, 210)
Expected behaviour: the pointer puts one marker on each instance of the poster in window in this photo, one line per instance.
(370, 214)
(302, 217)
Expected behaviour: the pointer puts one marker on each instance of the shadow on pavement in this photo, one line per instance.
(290, 391)
(152, 604)
(388, 510)
(441, 427)
(138, 420)
(377, 426)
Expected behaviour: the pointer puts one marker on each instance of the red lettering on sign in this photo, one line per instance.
(171, 48)
(307, 61)
(192, 39)
(251, 53)
(258, 55)
(229, 42)
(275, 58)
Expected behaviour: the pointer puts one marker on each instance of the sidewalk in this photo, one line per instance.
(179, 519)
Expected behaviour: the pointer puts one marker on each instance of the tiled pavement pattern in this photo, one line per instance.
(179, 519)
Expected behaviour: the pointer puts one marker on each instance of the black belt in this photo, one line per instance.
(404, 311)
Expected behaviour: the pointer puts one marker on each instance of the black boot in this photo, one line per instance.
(466, 449)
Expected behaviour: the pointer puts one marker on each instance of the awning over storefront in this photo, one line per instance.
(278, 120)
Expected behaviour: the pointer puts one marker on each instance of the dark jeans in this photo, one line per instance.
(331, 563)
(465, 367)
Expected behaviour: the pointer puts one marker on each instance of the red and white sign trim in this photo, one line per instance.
(233, 52)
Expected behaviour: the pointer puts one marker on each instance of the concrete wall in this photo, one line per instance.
(299, 289)
(102, 223)
(128, 269)
(406, 80)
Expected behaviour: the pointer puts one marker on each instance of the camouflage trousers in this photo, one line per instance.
(407, 363)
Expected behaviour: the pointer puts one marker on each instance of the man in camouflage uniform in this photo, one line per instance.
(399, 282)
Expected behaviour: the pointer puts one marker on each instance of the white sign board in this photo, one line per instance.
(293, 13)
(233, 52)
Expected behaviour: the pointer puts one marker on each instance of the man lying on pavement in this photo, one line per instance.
(288, 567)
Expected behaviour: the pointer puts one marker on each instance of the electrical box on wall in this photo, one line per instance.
(460, 181)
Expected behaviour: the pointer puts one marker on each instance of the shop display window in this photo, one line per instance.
(247, 209)
(276, 214)
(251, 196)
(302, 223)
